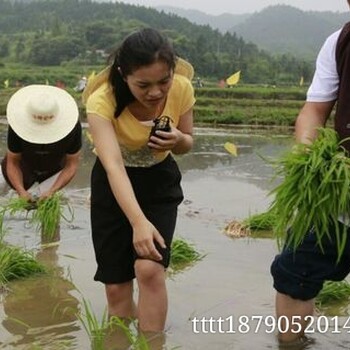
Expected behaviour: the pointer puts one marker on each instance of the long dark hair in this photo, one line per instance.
(140, 48)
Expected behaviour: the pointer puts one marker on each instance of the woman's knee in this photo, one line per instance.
(148, 271)
(117, 291)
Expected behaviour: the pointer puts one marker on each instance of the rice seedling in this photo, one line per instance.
(259, 225)
(12, 207)
(2, 233)
(183, 254)
(98, 330)
(333, 292)
(261, 222)
(48, 214)
(137, 339)
(314, 191)
(15, 264)
(44, 214)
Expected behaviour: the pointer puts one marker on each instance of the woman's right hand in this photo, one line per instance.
(144, 235)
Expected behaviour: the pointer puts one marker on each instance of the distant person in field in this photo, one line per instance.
(199, 83)
(299, 275)
(81, 85)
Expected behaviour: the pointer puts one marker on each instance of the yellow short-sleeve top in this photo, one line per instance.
(132, 134)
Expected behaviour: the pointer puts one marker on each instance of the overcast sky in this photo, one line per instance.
(216, 7)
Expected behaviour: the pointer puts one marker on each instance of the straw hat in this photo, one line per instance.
(184, 68)
(42, 114)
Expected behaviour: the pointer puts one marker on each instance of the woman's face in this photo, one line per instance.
(150, 84)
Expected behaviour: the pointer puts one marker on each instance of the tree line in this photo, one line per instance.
(54, 32)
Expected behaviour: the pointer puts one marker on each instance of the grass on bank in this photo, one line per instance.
(255, 91)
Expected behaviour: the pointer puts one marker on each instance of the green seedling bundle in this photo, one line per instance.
(44, 214)
(183, 253)
(261, 222)
(16, 263)
(314, 191)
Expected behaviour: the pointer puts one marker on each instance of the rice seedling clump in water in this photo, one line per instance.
(183, 253)
(314, 192)
(16, 263)
(48, 214)
(333, 292)
(261, 222)
(44, 214)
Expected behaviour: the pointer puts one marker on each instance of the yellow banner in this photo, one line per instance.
(234, 78)
(231, 148)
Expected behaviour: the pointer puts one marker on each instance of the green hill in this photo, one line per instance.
(279, 29)
(285, 29)
(222, 22)
(84, 32)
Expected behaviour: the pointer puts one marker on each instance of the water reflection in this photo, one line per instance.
(41, 310)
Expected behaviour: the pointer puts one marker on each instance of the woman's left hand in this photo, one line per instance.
(46, 195)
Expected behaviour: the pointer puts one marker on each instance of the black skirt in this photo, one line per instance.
(158, 192)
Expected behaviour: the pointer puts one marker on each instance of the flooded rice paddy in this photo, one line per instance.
(231, 281)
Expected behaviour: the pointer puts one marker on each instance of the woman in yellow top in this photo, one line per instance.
(135, 182)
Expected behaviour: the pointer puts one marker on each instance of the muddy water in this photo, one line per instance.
(232, 281)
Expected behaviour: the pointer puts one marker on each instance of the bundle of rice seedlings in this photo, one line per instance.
(333, 292)
(314, 191)
(48, 214)
(16, 263)
(12, 207)
(261, 222)
(256, 226)
(44, 214)
(183, 253)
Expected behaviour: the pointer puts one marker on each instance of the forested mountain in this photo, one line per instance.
(278, 29)
(45, 32)
(223, 22)
(285, 29)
